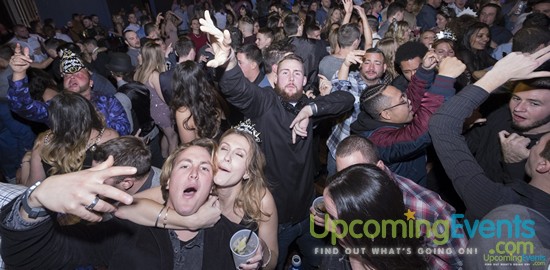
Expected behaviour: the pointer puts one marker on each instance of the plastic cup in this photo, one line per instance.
(249, 250)
(319, 206)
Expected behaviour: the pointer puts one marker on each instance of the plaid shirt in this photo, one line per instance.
(354, 85)
(9, 191)
(429, 206)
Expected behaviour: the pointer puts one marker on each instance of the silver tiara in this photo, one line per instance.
(467, 11)
(248, 127)
(445, 34)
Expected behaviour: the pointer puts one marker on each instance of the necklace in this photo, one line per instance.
(197, 36)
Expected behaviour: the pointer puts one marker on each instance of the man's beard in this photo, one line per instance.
(286, 97)
(534, 125)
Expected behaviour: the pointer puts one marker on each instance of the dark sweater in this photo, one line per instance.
(479, 193)
(290, 166)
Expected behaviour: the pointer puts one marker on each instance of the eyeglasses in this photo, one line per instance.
(404, 101)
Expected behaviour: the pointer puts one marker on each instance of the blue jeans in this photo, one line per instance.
(15, 139)
(298, 232)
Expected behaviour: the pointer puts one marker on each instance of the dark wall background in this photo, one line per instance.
(61, 10)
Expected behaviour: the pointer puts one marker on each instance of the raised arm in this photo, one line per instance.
(221, 44)
(367, 32)
(19, 96)
(479, 193)
(348, 10)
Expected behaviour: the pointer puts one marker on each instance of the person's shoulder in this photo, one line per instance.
(109, 134)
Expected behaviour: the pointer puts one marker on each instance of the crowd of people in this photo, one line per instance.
(147, 145)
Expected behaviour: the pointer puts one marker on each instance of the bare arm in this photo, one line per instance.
(188, 133)
(367, 32)
(36, 172)
(348, 9)
(268, 230)
(154, 214)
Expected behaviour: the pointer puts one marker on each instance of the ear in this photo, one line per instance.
(305, 81)
(91, 82)
(246, 176)
(127, 183)
(385, 66)
(385, 115)
(543, 167)
(274, 68)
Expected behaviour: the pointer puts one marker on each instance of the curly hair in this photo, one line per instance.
(254, 188)
(71, 119)
(193, 91)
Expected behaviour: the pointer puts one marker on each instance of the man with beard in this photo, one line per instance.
(76, 79)
(31, 41)
(501, 146)
(372, 70)
(397, 122)
(290, 169)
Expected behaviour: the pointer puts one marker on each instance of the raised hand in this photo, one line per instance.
(515, 66)
(354, 57)
(71, 193)
(20, 62)
(430, 60)
(348, 6)
(325, 85)
(520, 66)
(451, 67)
(221, 41)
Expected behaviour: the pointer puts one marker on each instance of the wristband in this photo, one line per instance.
(313, 108)
(32, 212)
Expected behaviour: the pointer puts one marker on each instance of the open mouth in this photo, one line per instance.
(190, 191)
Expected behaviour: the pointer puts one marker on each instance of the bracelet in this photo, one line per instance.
(158, 216)
(313, 108)
(165, 218)
(268, 260)
(32, 212)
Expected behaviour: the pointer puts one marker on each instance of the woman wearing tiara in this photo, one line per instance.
(244, 197)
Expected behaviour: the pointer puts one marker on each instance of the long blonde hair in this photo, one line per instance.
(389, 47)
(397, 31)
(72, 119)
(254, 188)
(152, 59)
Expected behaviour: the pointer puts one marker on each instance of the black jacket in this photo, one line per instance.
(289, 167)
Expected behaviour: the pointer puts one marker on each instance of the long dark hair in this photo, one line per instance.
(138, 94)
(472, 30)
(71, 119)
(365, 192)
(193, 91)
